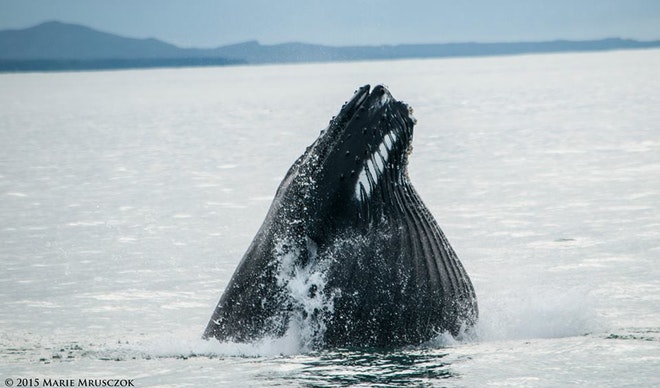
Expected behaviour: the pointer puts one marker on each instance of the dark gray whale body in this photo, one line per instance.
(349, 256)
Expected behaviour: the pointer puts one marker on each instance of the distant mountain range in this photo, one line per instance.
(56, 46)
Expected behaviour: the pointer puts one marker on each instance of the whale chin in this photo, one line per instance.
(348, 252)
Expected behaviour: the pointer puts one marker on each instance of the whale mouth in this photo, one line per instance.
(362, 153)
(364, 123)
(349, 111)
(367, 102)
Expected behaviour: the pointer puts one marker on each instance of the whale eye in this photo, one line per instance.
(352, 172)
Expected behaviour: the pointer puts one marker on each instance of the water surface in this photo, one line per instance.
(127, 199)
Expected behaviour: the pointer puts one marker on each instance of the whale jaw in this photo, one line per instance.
(362, 153)
(348, 252)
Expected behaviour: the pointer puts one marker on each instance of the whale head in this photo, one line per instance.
(349, 170)
(348, 252)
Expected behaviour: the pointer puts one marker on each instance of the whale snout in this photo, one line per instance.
(366, 145)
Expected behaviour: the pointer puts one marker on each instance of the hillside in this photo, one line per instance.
(54, 46)
(59, 46)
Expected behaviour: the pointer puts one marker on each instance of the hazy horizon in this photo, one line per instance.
(206, 23)
(328, 45)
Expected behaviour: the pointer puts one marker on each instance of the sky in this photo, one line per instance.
(211, 23)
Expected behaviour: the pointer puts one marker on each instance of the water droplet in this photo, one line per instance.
(312, 290)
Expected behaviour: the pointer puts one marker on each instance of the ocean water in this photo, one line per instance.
(127, 199)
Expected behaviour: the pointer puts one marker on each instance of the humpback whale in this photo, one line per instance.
(348, 254)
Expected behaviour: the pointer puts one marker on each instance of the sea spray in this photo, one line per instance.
(303, 277)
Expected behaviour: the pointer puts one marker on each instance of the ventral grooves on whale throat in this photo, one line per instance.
(349, 255)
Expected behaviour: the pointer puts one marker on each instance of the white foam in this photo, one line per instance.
(549, 313)
(305, 284)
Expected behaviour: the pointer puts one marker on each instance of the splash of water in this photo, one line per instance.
(304, 282)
